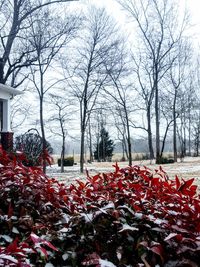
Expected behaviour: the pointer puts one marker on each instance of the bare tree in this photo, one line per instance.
(122, 97)
(166, 108)
(196, 132)
(145, 90)
(120, 125)
(160, 30)
(62, 111)
(177, 76)
(88, 76)
(15, 22)
(49, 36)
(90, 143)
(192, 105)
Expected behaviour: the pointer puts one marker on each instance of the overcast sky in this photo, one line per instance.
(114, 8)
(193, 5)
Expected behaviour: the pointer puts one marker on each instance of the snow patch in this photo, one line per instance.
(88, 217)
(49, 265)
(8, 257)
(126, 227)
(7, 238)
(105, 263)
(109, 206)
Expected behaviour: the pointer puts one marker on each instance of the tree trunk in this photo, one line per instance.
(82, 149)
(62, 158)
(125, 146)
(13, 32)
(164, 139)
(182, 138)
(198, 142)
(184, 134)
(90, 143)
(123, 151)
(91, 152)
(128, 138)
(157, 114)
(129, 150)
(1, 70)
(83, 127)
(150, 141)
(189, 133)
(174, 129)
(43, 136)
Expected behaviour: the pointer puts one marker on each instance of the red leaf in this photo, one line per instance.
(155, 182)
(173, 235)
(116, 166)
(120, 185)
(94, 179)
(186, 185)
(177, 182)
(38, 241)
(81, 184)
(12, 247)
(35, 238)
(92, 259)
(157, 249)
(135, 186)
(10, 210)
(43, 250)
(65, 198)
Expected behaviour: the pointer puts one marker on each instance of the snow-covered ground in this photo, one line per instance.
(189, 168)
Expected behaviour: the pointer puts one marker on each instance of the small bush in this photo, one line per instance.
(31, 146)
(69, 161)
(141, 156)
(164, 160)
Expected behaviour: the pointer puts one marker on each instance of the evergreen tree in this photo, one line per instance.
(104, 147)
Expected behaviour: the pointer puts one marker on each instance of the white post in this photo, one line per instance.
(6, 116)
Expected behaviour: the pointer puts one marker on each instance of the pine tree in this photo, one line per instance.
(104, 147)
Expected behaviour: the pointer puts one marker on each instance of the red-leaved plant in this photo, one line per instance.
(129, 217)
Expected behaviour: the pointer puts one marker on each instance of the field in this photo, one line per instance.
(188, 168)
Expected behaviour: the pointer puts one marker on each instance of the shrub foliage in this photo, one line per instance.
(31, 145)
(69, 161)
(164, 160)
(129, 217)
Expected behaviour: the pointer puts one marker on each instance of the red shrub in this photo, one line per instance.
(29, 202)
(129, 217)
(134, 216)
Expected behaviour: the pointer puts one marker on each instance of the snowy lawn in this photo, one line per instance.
(189, 168)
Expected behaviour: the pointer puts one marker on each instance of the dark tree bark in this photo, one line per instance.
(149, 131)
(174, 128)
